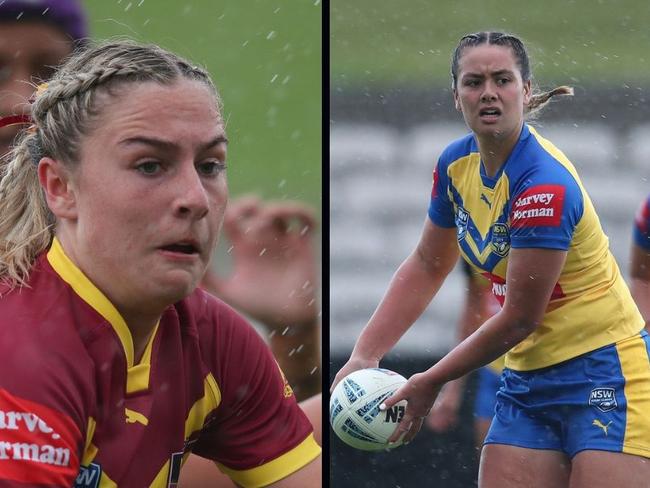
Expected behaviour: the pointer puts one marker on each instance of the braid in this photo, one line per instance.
(539, 100)
(25, 219)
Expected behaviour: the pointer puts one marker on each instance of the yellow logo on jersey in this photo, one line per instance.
(288, 391)
(132, 417)
(598, 423)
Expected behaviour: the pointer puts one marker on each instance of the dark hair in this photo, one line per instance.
(538, 99)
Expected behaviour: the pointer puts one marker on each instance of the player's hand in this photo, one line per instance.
(419, 394)
(444, 413)
(274, 268)
(353, 364)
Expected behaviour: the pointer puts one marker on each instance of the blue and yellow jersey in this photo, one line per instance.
(642, 225)
(536, 200)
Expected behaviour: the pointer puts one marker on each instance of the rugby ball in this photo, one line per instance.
(354, 409)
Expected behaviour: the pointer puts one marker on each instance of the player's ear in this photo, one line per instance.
(58, 187)
(457, 101)
(527, 92)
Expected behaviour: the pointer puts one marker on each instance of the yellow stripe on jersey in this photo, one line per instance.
(202, 407)
(635, 367)
(90, 450)
(278, 468)
(210, 400)
(137, 375)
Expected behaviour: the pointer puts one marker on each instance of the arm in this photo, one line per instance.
(640, 280)
(413, 286)
(531, 276)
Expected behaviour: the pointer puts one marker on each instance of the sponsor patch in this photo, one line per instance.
(462, 219)
(500, 240)
(88, 476)
(604, 399)
(498, 287)
(539, 205)
(33, 433)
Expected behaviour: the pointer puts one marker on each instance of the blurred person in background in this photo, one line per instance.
(640, 260)
(576, 383)
(480, 304)
(35, 37)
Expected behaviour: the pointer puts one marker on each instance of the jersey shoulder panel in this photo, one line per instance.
(546, 196)
(258, 419)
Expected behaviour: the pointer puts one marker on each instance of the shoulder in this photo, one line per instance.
(458, 149)
(539, 162)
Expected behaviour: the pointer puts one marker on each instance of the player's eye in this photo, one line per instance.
(211, 168)
(149, 168)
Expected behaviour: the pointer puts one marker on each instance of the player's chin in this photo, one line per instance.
(178, 284)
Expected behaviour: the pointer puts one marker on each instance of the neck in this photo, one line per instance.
(141, 326)
(495, 150)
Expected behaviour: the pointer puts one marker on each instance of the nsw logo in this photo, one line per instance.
(500, 240)
(604, 399)
(88, 476)
(462, 219)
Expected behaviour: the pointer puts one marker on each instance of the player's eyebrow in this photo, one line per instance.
(493, 73)
(168, 145)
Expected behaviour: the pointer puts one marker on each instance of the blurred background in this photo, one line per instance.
(265, 58)
(391, 114)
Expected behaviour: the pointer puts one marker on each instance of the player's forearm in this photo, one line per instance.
(493, 339)
(409, 292)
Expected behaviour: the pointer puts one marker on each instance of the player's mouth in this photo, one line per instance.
(182, 249)
(489, 114)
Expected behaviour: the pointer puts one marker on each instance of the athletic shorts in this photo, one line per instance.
(489, 382)
(599, 400)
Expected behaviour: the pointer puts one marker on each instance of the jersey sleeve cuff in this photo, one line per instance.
(278, 468)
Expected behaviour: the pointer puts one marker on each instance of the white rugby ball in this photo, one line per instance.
(354, 409)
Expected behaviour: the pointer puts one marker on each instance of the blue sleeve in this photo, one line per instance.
(642, 225)
(441, 210)
(545, 208)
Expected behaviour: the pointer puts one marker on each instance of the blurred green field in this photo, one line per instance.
(587, 42)
(265, 58)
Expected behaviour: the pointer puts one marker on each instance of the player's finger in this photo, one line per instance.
(414, 428)
(390, 401)
(293, 215)
(237, 215)
(401, 429)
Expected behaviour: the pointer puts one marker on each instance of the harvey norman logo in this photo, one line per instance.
(26, 451)
(539, 205)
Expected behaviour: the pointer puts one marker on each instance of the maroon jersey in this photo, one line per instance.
(76, 409)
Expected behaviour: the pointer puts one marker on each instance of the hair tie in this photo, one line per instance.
(15, 120)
